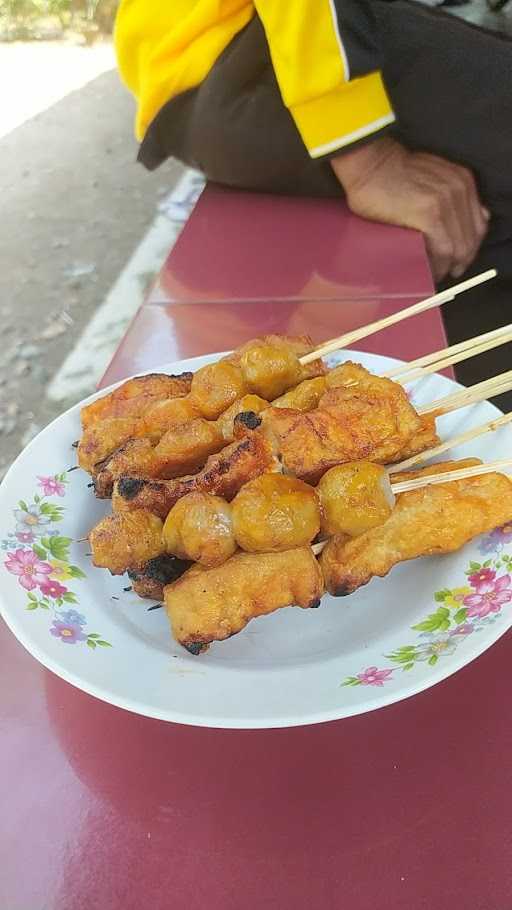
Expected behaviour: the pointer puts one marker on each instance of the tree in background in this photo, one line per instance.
(31, 18)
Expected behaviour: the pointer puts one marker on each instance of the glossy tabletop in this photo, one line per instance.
(248, 263)
(407, 808)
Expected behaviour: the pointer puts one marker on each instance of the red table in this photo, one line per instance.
(408, 808)
(249, 263)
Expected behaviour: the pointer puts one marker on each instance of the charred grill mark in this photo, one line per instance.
(343, 590)
(195, 647)
(128, 487)
(226, 465)
(166, 568)
(151, 579)
(248, 419)
(224, 475)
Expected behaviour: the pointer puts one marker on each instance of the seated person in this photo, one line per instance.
(405, 110)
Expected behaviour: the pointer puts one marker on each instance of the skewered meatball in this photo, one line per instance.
(270, 369)
(354, 498)
(216, 386)
(199, 528)
(273, 512)
(304, 397)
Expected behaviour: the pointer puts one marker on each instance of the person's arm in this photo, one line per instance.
(326, 57)
(386, 182)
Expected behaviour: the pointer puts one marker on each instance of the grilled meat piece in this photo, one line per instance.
(127, 540)
(132, 398)
(223, 474)
(273, 513)
(367, 418)
(199, 527)
(207, 605)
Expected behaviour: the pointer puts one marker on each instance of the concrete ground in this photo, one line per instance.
(75, 207)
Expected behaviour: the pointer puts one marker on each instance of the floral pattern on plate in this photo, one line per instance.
(38, 556)
(460, 612)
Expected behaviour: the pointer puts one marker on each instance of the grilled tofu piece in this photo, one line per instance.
(224, 475)
(365, 417)
(207, 605)
(425, 438)
(183, 449)
(126, 541)
(133, 397)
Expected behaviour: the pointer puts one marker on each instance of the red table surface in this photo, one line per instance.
(409, 807)
(251, 263)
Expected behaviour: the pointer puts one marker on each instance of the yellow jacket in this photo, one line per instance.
(324, 52)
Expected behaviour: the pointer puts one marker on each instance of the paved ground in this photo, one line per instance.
(75, 209)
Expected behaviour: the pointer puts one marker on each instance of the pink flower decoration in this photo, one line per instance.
(52, 588)
(464, 629)
(373, 677)
(68, 632)
(25, 536)
(30, 570)
(51, 486)
(489, 597)
(482, 577)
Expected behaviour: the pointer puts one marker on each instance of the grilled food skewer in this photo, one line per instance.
(270, 514)
(207, 605)
(435, 519)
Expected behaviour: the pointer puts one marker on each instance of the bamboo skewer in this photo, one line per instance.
(489, 388)
(441, 354)
(459, 440)
(457, 357)
(406, 486)
(421, 307)
(318, 547)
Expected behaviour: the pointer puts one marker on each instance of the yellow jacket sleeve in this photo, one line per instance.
(326, 58)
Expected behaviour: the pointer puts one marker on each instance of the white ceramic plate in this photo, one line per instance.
(391, 639)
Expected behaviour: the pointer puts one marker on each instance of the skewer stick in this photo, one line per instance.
(407, 485)
(458, 357)
(434, 356)
(421, 307)
(488, 427)
(318, 547)
(472, 395)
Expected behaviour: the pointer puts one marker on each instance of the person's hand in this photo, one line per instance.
(384, 181)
